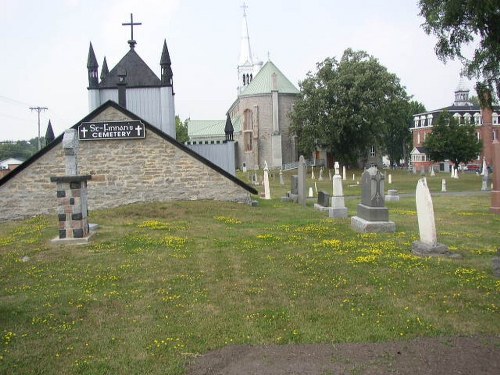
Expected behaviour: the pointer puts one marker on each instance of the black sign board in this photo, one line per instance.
(98, 131)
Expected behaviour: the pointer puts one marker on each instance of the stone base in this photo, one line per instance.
(426, 250)
(72, 241)
(337, 213)
(290, 198)
(361, 225)
(320, 207)
(392, 198)
(373, 213)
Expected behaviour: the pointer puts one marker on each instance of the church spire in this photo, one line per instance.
(245, 50)
(166, 67)
(92, 67)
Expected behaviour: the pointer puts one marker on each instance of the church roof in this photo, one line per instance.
(262, 83)
(149, 127)
(139, 74)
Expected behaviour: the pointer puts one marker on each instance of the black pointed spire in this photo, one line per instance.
(92, 67)
(49, 134)
(229, 129)
(166, 67)
(104, 70)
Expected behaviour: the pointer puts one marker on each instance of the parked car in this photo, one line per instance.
(472, 168)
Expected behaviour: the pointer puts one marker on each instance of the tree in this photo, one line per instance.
(19, 149)
(181, 130)
(459, 22)
(453, 141)
(345, 105)
(397, 139)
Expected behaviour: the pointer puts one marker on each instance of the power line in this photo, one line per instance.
(39, 109)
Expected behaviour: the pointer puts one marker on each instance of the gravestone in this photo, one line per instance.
(282, 182)
(312, 173)
(244, 168)
(302, 169)
(72, 211)
(337, 167)
(432, 171)
(323, 202)
(338, 209)
(294, 189)
(320, 178)
(486, 179)
(443, 185)
(427, 245)
(344, 173)
(372, 215)
(311, 193)
(389, 179)
(392, 196)
(267, 192)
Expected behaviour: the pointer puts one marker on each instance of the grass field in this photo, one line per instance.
(162, 283)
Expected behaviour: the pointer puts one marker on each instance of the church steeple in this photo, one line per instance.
(92, 67)
(245, 50)
(166, 67)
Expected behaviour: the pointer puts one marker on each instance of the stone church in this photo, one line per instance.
(259, 115)
(127, 147)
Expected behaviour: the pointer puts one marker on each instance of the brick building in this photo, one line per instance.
(486, 122)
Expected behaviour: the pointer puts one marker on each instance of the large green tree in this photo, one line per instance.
(452, 141)
(397, 138)
(345, 106)
(456, 23)
(19, 149)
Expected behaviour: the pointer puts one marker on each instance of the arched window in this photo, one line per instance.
(248, 129)
(467, 118)
(422, 120)
(457, 117)
(477, 118)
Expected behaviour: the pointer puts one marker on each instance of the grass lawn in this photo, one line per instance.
(162, 283)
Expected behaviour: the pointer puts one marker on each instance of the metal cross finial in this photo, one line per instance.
(244, 6)
(132, 42)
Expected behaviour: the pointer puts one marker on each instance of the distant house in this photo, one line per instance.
(464, 112)
(8, 165)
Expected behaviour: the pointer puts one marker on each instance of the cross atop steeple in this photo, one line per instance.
(132, 42)
(244, 7)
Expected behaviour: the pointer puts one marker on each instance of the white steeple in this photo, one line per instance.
(245, 50)
(247, 68)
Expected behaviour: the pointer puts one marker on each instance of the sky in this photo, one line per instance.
(46, 43)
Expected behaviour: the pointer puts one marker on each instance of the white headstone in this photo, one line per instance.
(282, 182)
(337, 167)
(320, 174)
(338, 193)
(484, 167)
(425, 214)
(353, 176)
(312, 173)
(315, 187)
(311, 194)
(344, 173)
(267, 192)
(432, 171)
(329, 175)
(443, 185)
(389, 179)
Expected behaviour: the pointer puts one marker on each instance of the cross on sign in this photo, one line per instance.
(83, 131)
(138, 130)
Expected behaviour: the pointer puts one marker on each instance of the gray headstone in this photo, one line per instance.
(295, 185)
(302, 181)
(323, 199)
(372, 186)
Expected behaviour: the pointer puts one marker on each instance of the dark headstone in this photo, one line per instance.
(323, 199)
(295, 185)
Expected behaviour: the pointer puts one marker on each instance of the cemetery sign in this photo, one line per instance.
(96, 131)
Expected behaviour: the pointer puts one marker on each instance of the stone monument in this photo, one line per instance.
(267, 192)
(323, 203)
(72, 195)
(486, 178)
(338, 208)
(427, 245)
(372, 215)
(301, 185)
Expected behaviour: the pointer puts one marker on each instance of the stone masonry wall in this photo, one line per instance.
(123, 172)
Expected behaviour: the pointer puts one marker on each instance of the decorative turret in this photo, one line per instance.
(105, 70)
(49, 134)
(92, 67)
(166, 67)
(462, 94)
(229, 129)
(247, 67)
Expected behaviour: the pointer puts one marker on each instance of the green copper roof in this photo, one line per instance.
(263, 82)
(205, 129)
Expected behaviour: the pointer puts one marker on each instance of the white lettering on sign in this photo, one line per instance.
(111, 130)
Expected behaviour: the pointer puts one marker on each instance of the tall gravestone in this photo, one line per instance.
(427, 245)
(495, 193)
(338, 209)
(301, 185)
(372, 215)
(267, 192)
(72, 195)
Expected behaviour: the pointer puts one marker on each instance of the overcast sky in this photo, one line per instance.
(45, 48)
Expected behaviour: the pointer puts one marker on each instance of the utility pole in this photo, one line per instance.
(39, 109)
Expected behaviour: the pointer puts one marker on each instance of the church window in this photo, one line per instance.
(495, 118)
(248, 130)
(477, 118)
(429, 120)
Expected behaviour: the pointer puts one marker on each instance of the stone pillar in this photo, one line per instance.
(495, 193)
(72, 206)
(302, 181)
